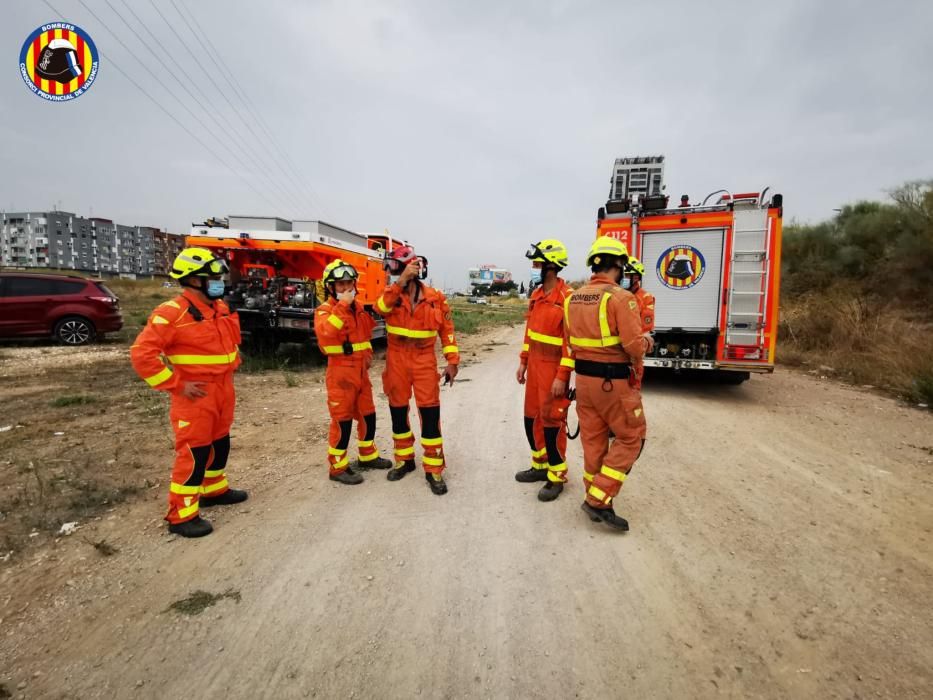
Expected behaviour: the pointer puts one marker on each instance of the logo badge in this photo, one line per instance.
(59, 62)
(681, 267)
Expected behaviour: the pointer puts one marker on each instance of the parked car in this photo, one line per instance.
(72, 309)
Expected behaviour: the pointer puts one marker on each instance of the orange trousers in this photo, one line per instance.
(538, 406)
(414, 370)
(349, 397)
(202, 445)
(618, 409)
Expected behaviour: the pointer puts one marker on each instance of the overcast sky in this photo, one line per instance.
(470, 128)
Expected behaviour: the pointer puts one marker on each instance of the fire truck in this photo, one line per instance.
(276, 268)
(713, 267)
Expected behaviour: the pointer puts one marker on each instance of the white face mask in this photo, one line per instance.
(626, 283)
(347, 296)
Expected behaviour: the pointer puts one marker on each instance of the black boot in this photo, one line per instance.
(527, 476)
(400, 470)
(607, 515)
(347, 476)
(378, 463)
(227, 498)
(550, 491)
(437, 484)
(196, 527)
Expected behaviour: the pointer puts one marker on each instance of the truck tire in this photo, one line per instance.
(74, 330)
(732, 378)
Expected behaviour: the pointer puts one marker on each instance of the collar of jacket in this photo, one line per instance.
(556, 295)
(601, 278)
(192, 297)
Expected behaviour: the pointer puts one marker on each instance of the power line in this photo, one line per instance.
(203, 69)
(177, 99)
(248, 103)
(249, 154)
(172, 116)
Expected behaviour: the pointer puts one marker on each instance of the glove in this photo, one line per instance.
(347, 296)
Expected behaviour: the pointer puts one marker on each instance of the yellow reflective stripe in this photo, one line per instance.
(613, 473)
(381, 305)
(219, 486)
(159, 320)
(539, 453)
(173, 304)
(335, 451)
(547, 339)
(567, 310)
(190, 510)
(338, 349)
(203, 359)
(562, 467)
(409, 333)
(586, 342)
(183, 490)
(213, 473)
(447, 349)
(431, 442)
(434, 461)
(402, 436)
(340, 463)
(604, 320)
(335, 321)
(157, 379)
(365, 443)
(369, 458)
(598, 494)
(568, 362)
(525, 347)
(588, 477)
(402, 451)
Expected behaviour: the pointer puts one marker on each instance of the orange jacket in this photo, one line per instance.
(419, 326)
(186, 340)
(603, 322)
(336, 322)
(544, 328)
(646, 309)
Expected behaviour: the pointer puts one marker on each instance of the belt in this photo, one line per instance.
(603, 370)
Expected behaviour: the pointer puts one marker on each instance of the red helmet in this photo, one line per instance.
(398, 259)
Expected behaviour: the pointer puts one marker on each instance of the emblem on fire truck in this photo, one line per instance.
(680, 267)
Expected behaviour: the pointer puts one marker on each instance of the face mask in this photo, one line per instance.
(626, 283)
(215, 289)
(347, 296)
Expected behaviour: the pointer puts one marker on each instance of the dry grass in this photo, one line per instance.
(861, 340)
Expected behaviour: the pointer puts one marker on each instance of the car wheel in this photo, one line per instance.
(74, 330)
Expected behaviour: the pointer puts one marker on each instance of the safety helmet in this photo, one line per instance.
(197, 261)
(398, 259)
(606, 246)
(680, 268)
(59, 62)
(635, 266)
(339, 270)
(550, 250)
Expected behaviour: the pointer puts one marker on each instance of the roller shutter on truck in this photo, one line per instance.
(683, 269)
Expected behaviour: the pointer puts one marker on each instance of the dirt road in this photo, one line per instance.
(780, 548)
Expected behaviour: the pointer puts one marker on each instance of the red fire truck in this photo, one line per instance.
(714, 269)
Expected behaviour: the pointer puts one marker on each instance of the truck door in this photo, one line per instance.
(683, 269)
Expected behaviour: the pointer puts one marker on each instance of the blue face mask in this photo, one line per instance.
(215, 289)
(626, 283)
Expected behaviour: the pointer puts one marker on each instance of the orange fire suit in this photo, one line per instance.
(548, 357)
(343, 333)
(413, 324)
(188, 340)
(605, 333)
(645, 301)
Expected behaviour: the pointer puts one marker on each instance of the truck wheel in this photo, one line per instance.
(732, 378)
(74, 330)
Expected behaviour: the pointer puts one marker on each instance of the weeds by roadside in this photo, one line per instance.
(72, 400)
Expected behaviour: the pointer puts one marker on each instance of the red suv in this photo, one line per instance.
(72, 309)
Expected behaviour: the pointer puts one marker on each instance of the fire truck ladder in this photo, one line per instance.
(748, 289)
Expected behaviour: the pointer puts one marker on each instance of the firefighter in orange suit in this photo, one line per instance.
(606, 335)
(189, 349)
(634, 273)
(544, 368)
(415, 316)
(343, 329)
